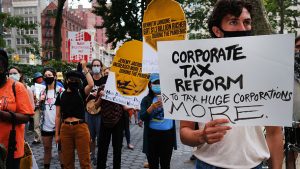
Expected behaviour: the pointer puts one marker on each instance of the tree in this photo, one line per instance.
(283, 14)
(9, 22)
(57, 30)
(122, 19)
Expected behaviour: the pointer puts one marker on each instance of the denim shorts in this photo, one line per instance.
(203, 165)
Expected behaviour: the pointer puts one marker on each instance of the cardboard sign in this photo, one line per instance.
(38, 88)
(128, 85)
(248, 80)
(80, 46)
(112, 94)
(163, 20)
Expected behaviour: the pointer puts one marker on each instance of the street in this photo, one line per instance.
(131, 159)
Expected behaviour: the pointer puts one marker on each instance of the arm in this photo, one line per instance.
(30, 94)
(274, 139)
(57, 124)
(89, 79)
(214, 131)
(20, 118)
(144, 115)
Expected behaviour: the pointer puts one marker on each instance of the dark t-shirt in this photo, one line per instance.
(71, 104)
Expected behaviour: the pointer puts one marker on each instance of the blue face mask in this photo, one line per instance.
(155, 88)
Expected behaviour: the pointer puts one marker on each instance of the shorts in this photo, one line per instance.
(47, 133)
(93, 122)
(292, 135)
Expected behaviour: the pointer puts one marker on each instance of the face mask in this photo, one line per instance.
(236, 33)
(15, 77)
(49, 80)
(156, 89)
(96, 70)
(73, 86)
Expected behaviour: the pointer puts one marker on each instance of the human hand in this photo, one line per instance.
(214, 131)
(140, 123)
(57, 139)
(83, 64)
(156, 105)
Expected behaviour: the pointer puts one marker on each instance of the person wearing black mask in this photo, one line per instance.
(14, 102)
(71, 128)
(48, 113)
(221, 146)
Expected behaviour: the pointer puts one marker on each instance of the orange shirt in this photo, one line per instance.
(20, 104)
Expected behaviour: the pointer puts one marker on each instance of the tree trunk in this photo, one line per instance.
(281, 14)
(261, 24)
(57, 30)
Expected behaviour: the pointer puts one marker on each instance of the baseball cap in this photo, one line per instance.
(154, 77)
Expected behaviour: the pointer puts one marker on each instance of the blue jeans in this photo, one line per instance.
(203, 165)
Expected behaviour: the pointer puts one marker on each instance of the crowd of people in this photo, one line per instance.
(74, 114)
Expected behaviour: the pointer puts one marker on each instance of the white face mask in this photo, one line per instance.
(96, 70)
(15, 77)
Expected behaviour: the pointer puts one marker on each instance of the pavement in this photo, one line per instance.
(131, 159)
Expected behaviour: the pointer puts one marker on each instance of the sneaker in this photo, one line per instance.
(36, 142)
(130, 146)
(146, 165)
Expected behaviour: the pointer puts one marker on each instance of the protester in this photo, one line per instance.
(292, 135)
(126, 127)
(37, 79)
(159, 133)
(112, 125)
(94, 119)
(70, 127)
(16, 74)
(48, 113)
(106, 71)
(221, 146)
(15, 107)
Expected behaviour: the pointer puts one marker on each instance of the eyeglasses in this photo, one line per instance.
(13, 73)
(96, 65)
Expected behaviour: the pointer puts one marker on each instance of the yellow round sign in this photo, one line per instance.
(164, 20)
(127, 65)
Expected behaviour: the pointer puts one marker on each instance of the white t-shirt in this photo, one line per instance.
(243, 147)
(50, 111)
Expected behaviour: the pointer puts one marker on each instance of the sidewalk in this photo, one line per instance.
(131, 159)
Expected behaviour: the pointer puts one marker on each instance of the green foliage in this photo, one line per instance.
(29, 70)
(122, 19)
(282, 11)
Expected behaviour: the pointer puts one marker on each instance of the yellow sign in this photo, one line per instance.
(16, 58)
(164, 20)
(127, 66)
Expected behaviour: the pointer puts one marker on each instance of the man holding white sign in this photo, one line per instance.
(220, 146)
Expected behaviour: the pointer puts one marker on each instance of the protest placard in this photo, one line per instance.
(248, 80)
(80, 46)
(126, 84)
(38, 88)
(163, 20)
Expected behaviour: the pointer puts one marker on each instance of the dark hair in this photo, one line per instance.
(52, 70)
(4, 58)
(19, 71)
(98, 61)
(223, 8)
(297, 39)
(150, 93)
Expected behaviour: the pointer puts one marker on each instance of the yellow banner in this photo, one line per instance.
(164, 20)
(127, 65)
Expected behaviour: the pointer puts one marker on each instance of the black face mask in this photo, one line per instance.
(3, 78)
(49, 80)
(73, 86)
(228, 34)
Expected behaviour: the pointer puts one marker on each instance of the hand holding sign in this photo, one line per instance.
(214, 131)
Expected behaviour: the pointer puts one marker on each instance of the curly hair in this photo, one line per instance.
(226, 7)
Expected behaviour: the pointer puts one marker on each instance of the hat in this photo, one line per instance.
(74, 73)
(4, 58)
(59, 76)
(154, 77)
(37, 75)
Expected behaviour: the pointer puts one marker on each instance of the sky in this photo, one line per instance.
(75, 3)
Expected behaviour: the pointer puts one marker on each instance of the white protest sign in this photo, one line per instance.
(248, 80)
(38, 88)
(112, 94)
(80, 48)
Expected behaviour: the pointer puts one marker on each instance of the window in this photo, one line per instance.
(8, 42)
(18, 41)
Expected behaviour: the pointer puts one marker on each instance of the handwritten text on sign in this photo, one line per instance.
(247, 80)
